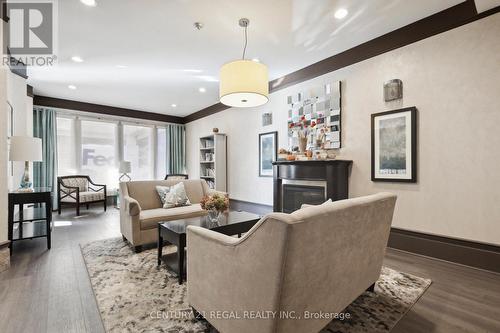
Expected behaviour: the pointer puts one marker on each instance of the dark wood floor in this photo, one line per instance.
(49, 291)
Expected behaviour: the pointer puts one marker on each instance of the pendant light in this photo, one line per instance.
(244, 83)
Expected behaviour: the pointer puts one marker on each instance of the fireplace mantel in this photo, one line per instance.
(334, 172)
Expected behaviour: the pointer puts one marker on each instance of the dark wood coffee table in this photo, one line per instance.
(174, 232)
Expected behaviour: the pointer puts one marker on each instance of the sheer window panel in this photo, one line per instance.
(66, 144)
(161, 153)
(99, 152)
(138, 149)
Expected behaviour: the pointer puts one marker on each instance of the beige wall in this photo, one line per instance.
(453, 80)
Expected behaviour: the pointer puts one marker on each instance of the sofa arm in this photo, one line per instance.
(132, 206)
(244, 274)
(212, 192)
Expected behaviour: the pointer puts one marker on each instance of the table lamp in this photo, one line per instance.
(25, 149)
(125, 169)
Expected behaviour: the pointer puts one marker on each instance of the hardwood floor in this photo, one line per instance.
(49, 291)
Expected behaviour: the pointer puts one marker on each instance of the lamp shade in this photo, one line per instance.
(125, 167)
(25, 148)
(244, 83)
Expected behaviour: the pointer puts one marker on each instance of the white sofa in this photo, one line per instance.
(317, 259)
(141, 208)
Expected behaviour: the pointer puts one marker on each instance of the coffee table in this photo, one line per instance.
(174, 232)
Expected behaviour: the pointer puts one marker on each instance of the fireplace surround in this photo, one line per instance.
(309, 182)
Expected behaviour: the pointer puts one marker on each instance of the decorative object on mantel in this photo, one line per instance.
(268, 148)
(215, 204)
(314, 118)
(125, 169)
(215, 130)
(267, 119)
(394, 145)
(244, 83)
(26, 149)
(393, 90)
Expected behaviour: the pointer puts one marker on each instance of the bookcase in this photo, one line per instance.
(213, 161)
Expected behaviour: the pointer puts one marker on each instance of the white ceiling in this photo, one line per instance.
(168, 60)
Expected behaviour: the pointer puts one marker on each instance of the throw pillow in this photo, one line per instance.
(162, 192)
(176, 196)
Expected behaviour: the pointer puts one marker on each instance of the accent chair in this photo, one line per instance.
(79, 190)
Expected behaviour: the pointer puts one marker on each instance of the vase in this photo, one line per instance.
(213, 215)
(302, 144)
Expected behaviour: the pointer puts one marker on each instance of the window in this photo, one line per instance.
(94, 147)
(138, 149)
(161, 153)
(66, 155)
(99, 152)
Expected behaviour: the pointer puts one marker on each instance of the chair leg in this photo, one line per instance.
(105, 206)
(77, 209)
(59, 208)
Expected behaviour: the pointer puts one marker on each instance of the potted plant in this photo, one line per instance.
(215, 204)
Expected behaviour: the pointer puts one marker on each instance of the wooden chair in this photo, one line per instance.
(77, 190)
(176, 176)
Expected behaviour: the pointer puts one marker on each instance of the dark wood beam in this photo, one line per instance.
(440, 22)
(103, 109)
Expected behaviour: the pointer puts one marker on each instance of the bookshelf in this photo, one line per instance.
(213, 161)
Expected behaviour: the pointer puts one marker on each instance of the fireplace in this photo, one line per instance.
(308, 182)
(298, 192)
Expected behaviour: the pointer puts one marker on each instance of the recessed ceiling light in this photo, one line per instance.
(77, 59)
(256, 59)
(121, 66)
(174, 105)
(341, 13)
(202, 89)
(72, 87)
(90, 3)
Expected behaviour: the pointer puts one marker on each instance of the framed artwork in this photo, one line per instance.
(394, 145)
(268, 151)
(320, 108)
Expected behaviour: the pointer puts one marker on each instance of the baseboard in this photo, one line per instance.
(469, 253)
(251, 207)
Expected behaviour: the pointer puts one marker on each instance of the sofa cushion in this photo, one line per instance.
(147, 196)
(85, 197)
(149, 218)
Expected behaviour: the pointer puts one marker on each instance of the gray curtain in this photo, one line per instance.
(176, 148)
(44, 173)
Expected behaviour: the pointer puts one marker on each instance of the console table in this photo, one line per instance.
(33, 223)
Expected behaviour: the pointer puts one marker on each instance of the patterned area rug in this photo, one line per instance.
(133, 295)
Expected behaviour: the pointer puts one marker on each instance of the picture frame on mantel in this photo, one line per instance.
(268, 153)
(394, 146)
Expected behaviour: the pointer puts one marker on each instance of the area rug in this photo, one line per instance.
(134, 295)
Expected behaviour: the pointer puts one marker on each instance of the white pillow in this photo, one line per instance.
(176, 196)
(308, 205)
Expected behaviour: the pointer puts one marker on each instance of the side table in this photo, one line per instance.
(33, 223)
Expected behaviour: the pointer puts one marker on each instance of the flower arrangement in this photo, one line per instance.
(215, 202)
(302, 128)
